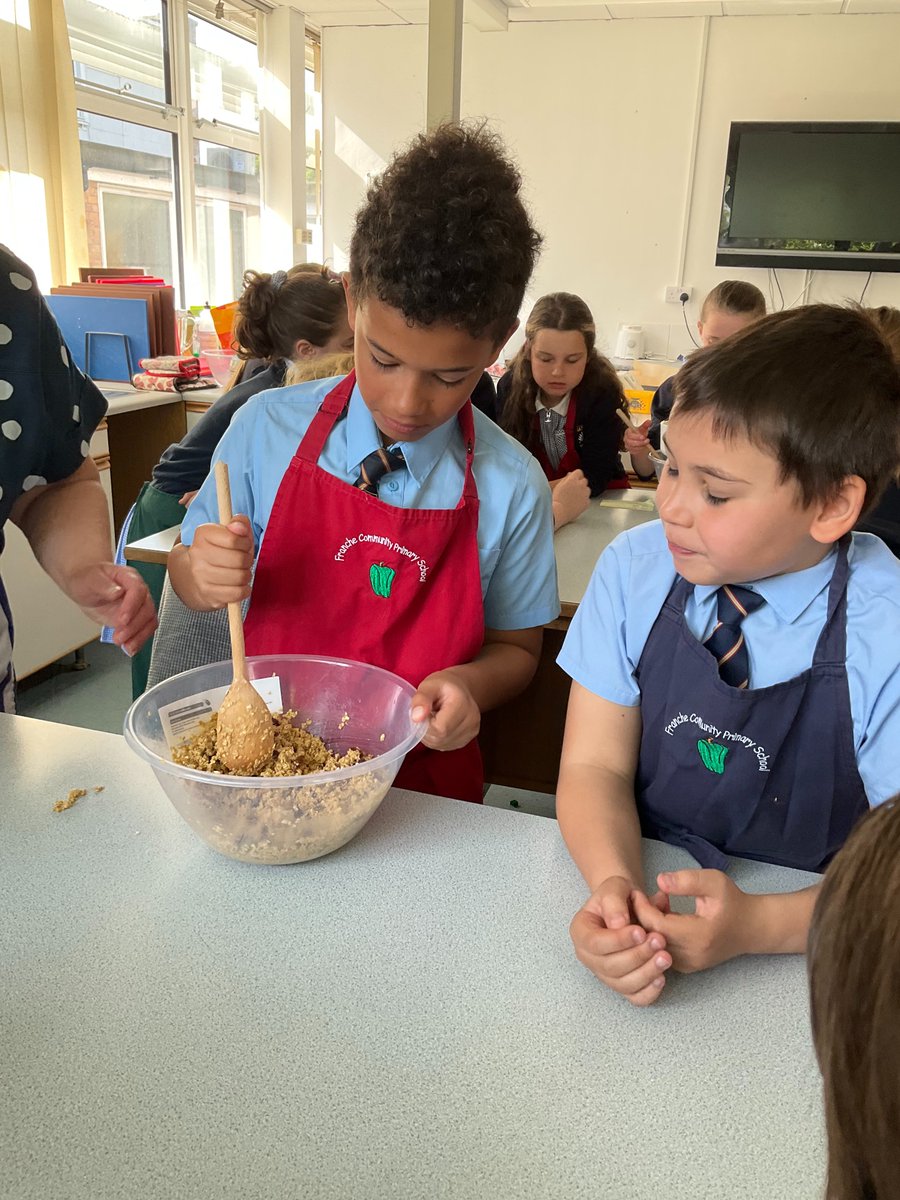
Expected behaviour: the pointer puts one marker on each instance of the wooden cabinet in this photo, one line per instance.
(141, 426)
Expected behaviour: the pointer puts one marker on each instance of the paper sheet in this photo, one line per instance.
(642, 503)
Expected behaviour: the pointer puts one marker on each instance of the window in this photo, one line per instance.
(313, 82)
(170, 155)
(129, 203)
(224, 76)
(119, 44)
(226, 186)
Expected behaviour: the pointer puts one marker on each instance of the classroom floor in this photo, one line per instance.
(98, 697)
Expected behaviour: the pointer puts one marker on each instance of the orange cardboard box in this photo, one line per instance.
(639, 401)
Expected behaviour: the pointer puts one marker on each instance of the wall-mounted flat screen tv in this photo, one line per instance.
(814, 196)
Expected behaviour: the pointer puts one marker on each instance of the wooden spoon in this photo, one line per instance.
(245, 735)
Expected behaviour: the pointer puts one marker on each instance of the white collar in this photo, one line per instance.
(562, 408)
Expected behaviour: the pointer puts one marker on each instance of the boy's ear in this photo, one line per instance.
(351, 300)
(700, 328)
(839, 514)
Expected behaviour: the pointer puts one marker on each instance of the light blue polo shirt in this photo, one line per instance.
(630, 584)
(515, 521)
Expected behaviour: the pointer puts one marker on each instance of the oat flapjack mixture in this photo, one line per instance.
(296, 752)
(279, 824)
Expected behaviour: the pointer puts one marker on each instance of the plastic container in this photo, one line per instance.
(650, 373)
(659, 461)
(639, 400)
(301, 817)
(220, 363)
(205, 333)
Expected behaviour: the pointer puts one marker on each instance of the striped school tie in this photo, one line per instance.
(553, 436)
(726, 641)
(375, 466)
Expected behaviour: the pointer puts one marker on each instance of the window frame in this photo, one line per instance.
(175, 116)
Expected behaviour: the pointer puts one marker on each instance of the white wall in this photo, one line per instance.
(373, 100)
(602, 117)
(791, 68)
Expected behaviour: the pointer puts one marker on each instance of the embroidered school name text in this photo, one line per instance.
(369, 539)
(726, 735)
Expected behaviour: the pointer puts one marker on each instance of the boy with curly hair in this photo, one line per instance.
(390, 522)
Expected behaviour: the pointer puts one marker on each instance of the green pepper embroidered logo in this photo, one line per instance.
(381, 579)
(712, 755)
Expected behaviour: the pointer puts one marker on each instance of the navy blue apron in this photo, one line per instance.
(767, 773)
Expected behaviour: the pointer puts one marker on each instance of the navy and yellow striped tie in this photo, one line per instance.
(726, 642)
(375, 466)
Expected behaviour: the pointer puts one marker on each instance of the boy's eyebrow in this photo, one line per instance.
(435, 370)
(718, 473)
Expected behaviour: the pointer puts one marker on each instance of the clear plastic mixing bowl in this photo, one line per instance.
(295, 818)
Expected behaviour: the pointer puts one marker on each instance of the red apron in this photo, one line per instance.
(571, 460)
(342, 573)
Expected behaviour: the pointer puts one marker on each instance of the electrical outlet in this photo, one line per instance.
(675, 292)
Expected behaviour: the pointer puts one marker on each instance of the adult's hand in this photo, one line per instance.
(118, 597)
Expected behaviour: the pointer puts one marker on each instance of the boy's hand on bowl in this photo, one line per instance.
(454, 717)
(221, 559)
(611, 944)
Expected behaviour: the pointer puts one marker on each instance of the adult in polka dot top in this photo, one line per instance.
(49, 485)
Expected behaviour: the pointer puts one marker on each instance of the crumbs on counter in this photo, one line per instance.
(343, 721)
(73, 797)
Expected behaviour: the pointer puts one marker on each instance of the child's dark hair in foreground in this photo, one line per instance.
(817, 387)
(463, 261)
(854, 974)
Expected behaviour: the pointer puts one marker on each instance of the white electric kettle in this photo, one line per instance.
(630, 342)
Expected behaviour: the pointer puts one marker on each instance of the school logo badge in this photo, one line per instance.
(381, 578)
(712, 755)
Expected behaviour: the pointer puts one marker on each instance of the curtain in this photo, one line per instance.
(41, 193)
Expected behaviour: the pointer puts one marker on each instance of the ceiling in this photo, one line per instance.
(499, 14)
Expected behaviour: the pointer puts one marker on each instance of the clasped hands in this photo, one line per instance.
(630, 940)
